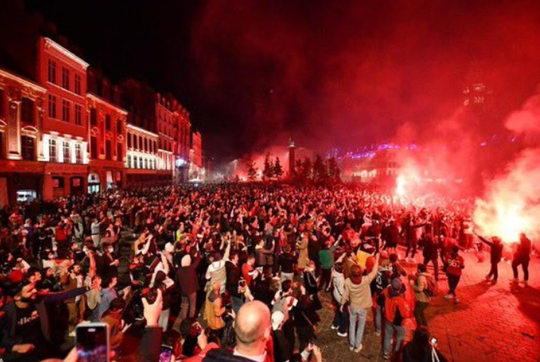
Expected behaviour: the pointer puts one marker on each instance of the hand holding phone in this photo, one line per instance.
(92, 342)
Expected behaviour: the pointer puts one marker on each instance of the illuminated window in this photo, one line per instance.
(66, 152)
(78, 153)
(65, 78)
(51, 72)
(52, 106)
(65, 110)
(78, 114)
(52, 150)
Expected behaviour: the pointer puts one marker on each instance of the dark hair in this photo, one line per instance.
(419, 345)
(286, 286)
(393, 258)
(339, 267)
(422, 268)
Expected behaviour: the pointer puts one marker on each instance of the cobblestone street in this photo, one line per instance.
(491, 323)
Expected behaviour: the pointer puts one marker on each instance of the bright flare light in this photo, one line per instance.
(512, 203)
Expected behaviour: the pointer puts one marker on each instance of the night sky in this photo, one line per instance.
(330, 73)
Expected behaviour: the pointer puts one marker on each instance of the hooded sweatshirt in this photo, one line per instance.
(357, 290)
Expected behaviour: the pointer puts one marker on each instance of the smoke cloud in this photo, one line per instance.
(511, 203)
(350, 73)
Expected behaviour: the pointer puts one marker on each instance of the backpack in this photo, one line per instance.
(432, 288)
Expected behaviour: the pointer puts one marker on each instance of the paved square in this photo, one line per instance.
(491, 323)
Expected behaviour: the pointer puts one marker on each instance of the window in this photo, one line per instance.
(51, 74)
(108, 150)
(78, 153)
(108, 122)
(118, 126)
(129, 140)
(140, 143)
(78, 114)
(66, 155)
(77, 84)
(65, 110)
(27, 111)
(65, 78)
(27, 148)
(52, 151)
(119, 152)
(2, 109)
(129, 162)
(93, 117)
(93, 147)
(52, 106)
(1, 145)
(146, 144)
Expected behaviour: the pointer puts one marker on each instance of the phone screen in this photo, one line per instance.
(166, 354)
(92, 343)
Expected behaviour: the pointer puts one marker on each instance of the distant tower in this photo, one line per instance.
(292, 158)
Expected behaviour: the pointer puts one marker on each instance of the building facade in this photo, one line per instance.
(22, 105)
(142, 155)
(65, 125)
(196, 169)
(107, 135)
(65, 129)
(167, 123)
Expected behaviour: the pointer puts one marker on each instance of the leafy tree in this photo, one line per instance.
(334, 173)
(251, 169)
(320, 173)
(277, 169)
(268, 170)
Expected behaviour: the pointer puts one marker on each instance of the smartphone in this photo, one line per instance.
(166, 354)
(92, 342)
(434, 341)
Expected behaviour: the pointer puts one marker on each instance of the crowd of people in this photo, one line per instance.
(231, 272)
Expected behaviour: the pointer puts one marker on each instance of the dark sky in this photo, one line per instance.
(331, 73)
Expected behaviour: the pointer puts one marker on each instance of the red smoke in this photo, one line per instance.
(511, 203)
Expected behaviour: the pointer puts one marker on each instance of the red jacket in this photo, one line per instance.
(391, 304)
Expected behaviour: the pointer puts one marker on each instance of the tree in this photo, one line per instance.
(268, 170)
(320, 173)
(277, 169)
(334, 173)
(251, 169)
(306, 171)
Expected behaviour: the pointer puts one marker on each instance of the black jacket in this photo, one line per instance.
(496, 250)
(9, 337)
